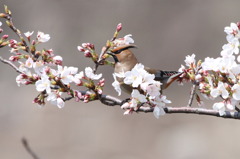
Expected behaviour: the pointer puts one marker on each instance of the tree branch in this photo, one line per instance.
(192, 94)
(10, 64)
(15, 30)
(29, 150)
(114, 101)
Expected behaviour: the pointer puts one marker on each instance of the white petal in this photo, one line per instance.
(60, 103)
(157, 112)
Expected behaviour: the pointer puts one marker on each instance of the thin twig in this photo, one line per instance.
(28, 149)
(192, 94)
(193, 90)
(12, 26)
(10, 64)
(100, 60)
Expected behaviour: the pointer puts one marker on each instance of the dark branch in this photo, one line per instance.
(114, 101)
(29, 150)
(202, 111)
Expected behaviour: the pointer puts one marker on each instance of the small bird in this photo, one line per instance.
(125, 60)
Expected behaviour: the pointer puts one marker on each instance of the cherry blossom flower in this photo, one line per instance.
(38, 67)
(137, 98)
(232, 32)
(58, 60)
(43, 84)
(89, 73)
(80, 48)
(135, 76)
(148, 79)
(66, 74)
(226, 64)
(220, 90)
(60, 103)
(236, 91)
(158, 111)
(116, 85)
(153, 90)
(230, 48)
(29, 62)
(220, 107)
(28, 34)
(43, 37)
(219, 64)
(24, 69)
(190, 60)
(21, 79)
(55, 99)
(126, 40)
(161, 101)
(231, 104)
(77, 78)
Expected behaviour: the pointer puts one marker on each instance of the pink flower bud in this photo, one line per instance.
(101, 82)
(84, 45)
(38, 101)
(27, 82)
(24, 76)
(33, 42)
(36, 77)
(87, 53)
(86, 98)
(50, 52)
(119, 27)
(12, 43)
(91, 46)
(13, 58)
(80, 49)
(4, 36)
(58, 60)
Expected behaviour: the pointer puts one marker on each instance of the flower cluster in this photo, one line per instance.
(219, 77)
(45, 71)
(145, 90)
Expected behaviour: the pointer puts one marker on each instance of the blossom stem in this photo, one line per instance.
(100, 60)
(192, 94)
(11, 25)
(10, 64)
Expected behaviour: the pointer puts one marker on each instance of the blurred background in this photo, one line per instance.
(165, 31)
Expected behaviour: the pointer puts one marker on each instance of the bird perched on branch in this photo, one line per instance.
(125, 61)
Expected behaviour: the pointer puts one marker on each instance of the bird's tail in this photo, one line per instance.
(167, 77)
